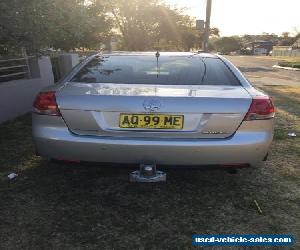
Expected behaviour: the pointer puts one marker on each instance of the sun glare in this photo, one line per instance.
(238, 17)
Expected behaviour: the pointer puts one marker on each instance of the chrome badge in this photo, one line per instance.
(152, 105)
(214, 132)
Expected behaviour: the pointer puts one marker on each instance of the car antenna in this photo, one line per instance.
(157, 54)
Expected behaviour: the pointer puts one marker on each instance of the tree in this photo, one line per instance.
(134, 20)
(62, 24)
(214, 32)
(228, 44)
(148, 24)
(77, 25)
(285, 34)
(177, 28)
(23, 24)
(34, 25)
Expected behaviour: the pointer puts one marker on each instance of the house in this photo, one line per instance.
(293, 50)
(260, 47)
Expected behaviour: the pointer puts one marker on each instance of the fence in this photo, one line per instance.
(285, 51)
(14, 69)
(22, 84)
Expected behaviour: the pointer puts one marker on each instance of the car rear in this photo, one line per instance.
(179, 109)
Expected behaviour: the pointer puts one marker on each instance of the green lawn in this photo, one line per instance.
(63, 206)
(282, 58)
(284, 61)
(292, 64)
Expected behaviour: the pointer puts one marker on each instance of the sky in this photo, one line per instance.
(238, 17)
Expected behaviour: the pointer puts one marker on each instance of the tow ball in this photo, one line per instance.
(147, 173)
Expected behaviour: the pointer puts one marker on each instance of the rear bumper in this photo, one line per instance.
(248, 145)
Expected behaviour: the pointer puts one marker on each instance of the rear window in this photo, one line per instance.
(164, 70)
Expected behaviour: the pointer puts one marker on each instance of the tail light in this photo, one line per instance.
(261, 108)
(45, 104)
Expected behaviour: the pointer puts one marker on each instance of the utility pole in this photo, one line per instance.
(207, 25)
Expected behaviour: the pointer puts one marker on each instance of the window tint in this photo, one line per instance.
(166, 70)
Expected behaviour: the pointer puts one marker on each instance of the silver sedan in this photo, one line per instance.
(167, 108)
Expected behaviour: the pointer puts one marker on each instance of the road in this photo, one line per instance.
(260, 72)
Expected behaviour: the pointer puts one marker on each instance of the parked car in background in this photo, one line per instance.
(169, 108)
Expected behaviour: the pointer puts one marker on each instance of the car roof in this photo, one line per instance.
(152, 53)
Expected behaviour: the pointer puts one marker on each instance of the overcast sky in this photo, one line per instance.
(237, 17)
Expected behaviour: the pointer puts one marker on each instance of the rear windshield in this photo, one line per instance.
(164, 70)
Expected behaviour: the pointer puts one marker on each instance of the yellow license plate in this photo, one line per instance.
(151, 121)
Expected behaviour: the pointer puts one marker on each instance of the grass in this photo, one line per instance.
(289, 64)
(284, 61)
(281, 58)
(57, 206)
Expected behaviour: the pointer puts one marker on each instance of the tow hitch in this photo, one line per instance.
(147, 173)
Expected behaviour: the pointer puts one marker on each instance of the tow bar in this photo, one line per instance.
(147, 173)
